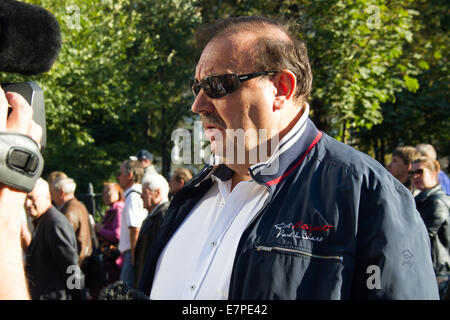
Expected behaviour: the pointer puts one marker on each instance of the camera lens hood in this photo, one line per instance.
(21, 162)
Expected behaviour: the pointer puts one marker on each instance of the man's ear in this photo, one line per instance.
(285, 83)
(158, 192)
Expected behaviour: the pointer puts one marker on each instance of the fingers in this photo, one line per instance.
(35, 132)
(3, 110)
(21, 117)
(21, 114)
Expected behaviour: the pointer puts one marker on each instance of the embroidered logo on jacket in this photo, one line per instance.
(301, 230)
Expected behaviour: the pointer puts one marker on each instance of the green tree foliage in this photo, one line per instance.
(422, 115)
(163, 59)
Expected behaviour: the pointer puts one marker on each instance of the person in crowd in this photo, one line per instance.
(55, 175)
(178, 179)
(400, 165)
(52, 256)
(63, 195)
(434, 205)
(155, 195)
(316, 219)
(428, 151)
(146, 159)
(108, 230)
(133, 214)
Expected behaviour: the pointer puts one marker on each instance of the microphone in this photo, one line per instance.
(30, 38)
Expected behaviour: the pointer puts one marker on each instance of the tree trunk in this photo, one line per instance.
(344, 131)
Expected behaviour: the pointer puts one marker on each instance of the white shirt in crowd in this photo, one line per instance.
(133, 214)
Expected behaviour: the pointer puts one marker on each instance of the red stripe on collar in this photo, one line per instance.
(277, 180)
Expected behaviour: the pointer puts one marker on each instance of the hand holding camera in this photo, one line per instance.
(19, 118)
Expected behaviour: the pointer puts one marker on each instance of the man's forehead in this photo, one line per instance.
(219, 56)
(233, 51)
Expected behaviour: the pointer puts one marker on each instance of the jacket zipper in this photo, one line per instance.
(304, 253)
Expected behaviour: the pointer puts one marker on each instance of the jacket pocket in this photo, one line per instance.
(303, 253)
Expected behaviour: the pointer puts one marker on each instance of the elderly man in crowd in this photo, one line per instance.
(63, 195)
(155, 195)
(52, 257)
(315, 219)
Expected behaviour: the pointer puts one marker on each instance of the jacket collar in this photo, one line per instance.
(163, 204)
(424, 195)
(65, 204)
(289, 153)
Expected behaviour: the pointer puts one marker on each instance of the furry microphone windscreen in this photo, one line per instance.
(30, 38)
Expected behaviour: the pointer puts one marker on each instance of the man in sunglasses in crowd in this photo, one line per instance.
(311, 219)
(401, 163)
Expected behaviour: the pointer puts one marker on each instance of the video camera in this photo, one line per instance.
(30, 42)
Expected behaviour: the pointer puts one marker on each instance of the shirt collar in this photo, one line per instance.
(285, 143)
(135, 187)
(158, 206)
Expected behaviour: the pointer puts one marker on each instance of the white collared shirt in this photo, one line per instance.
(133, 214)
(198, 260)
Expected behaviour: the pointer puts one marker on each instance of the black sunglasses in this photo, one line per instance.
(418, 171)
(221, 85)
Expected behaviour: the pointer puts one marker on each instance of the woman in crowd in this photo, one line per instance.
(433, 205)
(109, 230)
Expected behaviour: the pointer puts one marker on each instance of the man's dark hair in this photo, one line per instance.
(407, 153)
(134, 167)
(271, 53)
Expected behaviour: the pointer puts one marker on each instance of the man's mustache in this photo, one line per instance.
(213, 119)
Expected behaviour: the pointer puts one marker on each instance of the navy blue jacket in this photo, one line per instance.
(336, 225)
(52, 258)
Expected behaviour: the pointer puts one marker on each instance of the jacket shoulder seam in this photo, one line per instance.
(340, 164)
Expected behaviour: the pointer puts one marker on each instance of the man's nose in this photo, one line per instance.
(202, 104)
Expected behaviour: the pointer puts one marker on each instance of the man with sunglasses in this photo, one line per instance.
(401, 162)
(312, 219)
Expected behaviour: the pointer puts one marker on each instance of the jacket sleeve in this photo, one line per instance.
(63, 248)
(436, 214)
(393, 258)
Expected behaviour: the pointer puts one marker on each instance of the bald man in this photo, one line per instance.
(52, 258)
